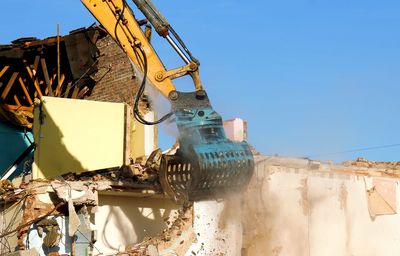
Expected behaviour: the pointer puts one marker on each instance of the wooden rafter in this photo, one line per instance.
(16, 100)
(75, 93)
(46, 76)
(28, 97)
(35, 82)
(9, 85)
(82, 92)
(36, 63)
(13, 107)
(3, 70)
(59, 86)
(38, 75)
(68, 88)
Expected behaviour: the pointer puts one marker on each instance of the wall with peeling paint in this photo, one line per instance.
(299, 207)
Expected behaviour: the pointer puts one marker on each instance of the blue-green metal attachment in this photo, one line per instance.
(207, 165)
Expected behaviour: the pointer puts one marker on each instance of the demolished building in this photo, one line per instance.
(92, 67)
(92, 187)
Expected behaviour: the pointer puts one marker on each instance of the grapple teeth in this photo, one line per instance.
(201, 178)
(207, 165)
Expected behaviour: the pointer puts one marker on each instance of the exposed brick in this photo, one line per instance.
(115, 80)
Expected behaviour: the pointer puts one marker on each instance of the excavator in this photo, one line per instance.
(207, 164)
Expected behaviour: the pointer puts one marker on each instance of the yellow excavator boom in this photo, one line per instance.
(118, 20)
(207, 164)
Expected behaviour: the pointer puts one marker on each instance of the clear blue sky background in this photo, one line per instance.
(311, 77)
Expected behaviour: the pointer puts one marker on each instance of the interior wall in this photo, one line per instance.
(142, 137)
(13, 142)
(77, 135)
(124, 220)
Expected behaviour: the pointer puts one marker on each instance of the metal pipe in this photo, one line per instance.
(177, 49)
(153, 16)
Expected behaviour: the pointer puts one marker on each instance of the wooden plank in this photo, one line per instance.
(36, 63)
(4, 70)
(61, 83)
(13, 107)
(46, 76)
(75, 93)
(66, 93)
(83, 92)
(8, 86)
(52, 78)
(27, 96)
(16, 100)
(59, 86)
(35, 82)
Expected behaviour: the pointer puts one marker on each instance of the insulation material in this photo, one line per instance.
(88, 136)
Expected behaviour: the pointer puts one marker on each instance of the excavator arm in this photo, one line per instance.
(119, 21)
(207, 165)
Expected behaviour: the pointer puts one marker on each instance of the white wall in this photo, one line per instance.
(124, 220)
(294, 208)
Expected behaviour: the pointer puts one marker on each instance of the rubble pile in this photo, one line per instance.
(35, 206)
(362, 162)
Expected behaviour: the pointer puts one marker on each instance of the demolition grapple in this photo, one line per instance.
(207, 164)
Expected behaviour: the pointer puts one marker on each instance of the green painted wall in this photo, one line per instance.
(12, 143)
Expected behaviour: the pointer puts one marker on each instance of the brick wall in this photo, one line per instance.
(115, 79)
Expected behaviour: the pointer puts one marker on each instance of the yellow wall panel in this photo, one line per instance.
(77, 135)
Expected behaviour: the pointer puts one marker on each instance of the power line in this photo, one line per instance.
(356, 150)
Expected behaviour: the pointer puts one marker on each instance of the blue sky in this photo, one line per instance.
(311, 77)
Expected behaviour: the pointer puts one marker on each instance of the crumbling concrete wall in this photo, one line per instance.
(300, 207)
(217, 227)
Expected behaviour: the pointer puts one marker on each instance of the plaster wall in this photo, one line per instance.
(124, 220)
(294, 208)
(77, 135)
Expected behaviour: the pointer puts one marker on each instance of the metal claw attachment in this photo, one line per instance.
(207, 165)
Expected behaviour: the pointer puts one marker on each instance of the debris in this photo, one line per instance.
(53, 234)
(28, 71)
(362, 162)
(74, 221)
(381, 194)
(152, 251)
(30, 252)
